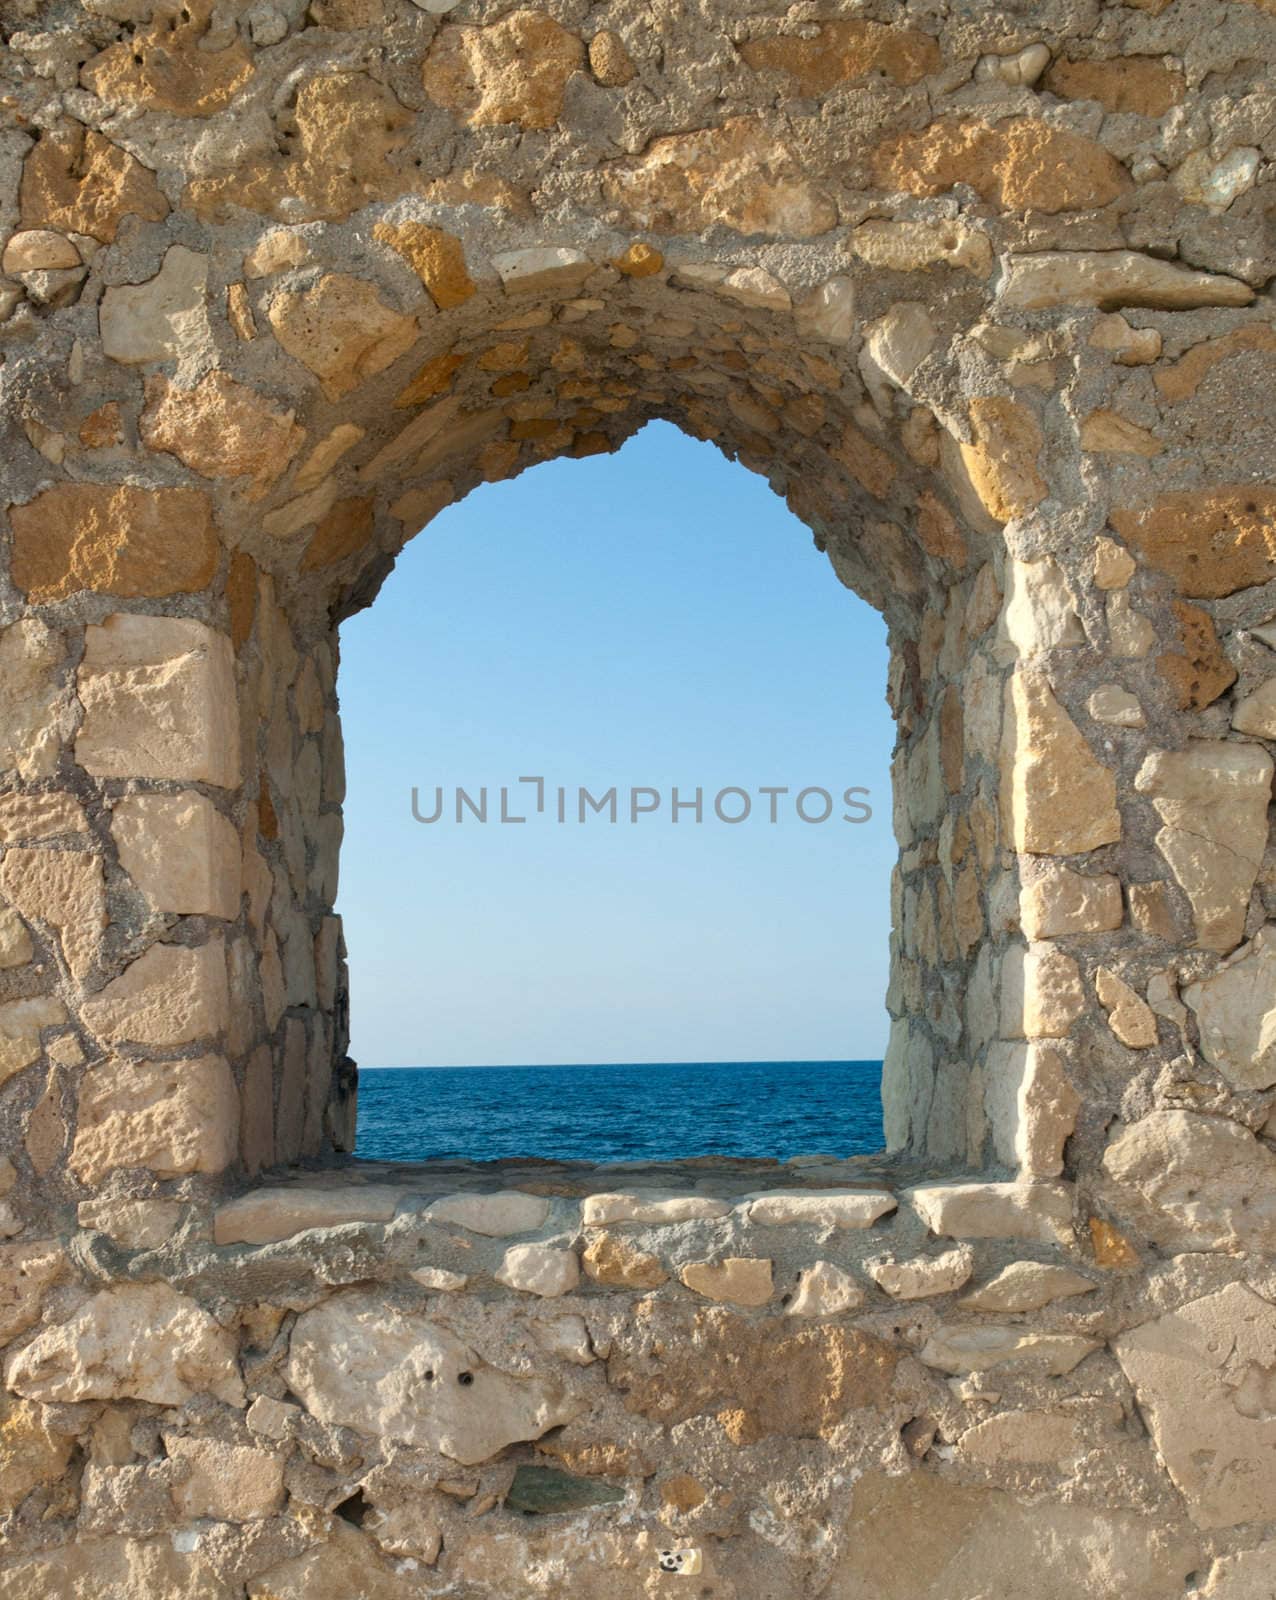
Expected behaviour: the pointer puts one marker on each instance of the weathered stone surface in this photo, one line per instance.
(341, 330)
(1041, 1211)
(1110, 279)
(1195, 1182)
(543, 269)
(737, 174)
(612, 1260)
(824, 1290)
(77, 181)
(348, 1563)
(496, 1215)
(1211, 541)
(1236, 1012)
(1059, 901)
(1142, 85)
(1001, 459)
(1042, 994)
(651, 1207)
(31, 1453)
(1031, 1105)
(163, 319)
(541, 1269)
(264, 1215)
(220, 429)
(1116, 707)
(227, 1482)
(437, 258)
(31, 723)
(20, 1025)
(1247, 1576)
(1040, 611)
(609, 61)
(27, 1269)
(171, 1117)
(1026, 1286)
(65, 889)
(113, 539)
(15, 942)
(160, 701)
(983, 1347)
(137, 1341)
(841, 51)
(113, 1569)
(363, 1364)
(170, 995)
(172, 64)
(738, 1280)
(922, 1276)
(180, 851)
(1129, 1016)
(967, 1543)
(1203, 1375)
(1060, 799)
(909, 246)
(516, 70)
(1212, 799)
(1256, 713)
(820, 1208)
(135, 1224)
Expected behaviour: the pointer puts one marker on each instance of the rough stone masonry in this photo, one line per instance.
(983, 290)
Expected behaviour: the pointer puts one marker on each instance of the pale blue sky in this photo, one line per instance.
(654, 618)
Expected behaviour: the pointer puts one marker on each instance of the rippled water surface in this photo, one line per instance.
(655, 1111)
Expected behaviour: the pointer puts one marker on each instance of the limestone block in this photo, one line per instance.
(1017, 1438)
(609, 61)
(964, 1348)
(824, 1290)
(134, 1224)
(1130, 634)
(515, 70)
(828, 312)
(277, 251)
(495, 1215)
(1211, 541)
(31, 1453)
(116, 1568)
(1212, 799)
(361, 1363)
(65, 889)
(819, 1208)
(27, 1270)
(27, 818)
(1031, 1105)
(539, 1269)
(227, 1482)
(1130, 347)
(272, 1419)
(1246, 1576)
(1059, 901)
(33, 720)
(1059, 798)
(1113, 566)
(651, 1207)
(180, 851)
(20, 1025)
(341, 330)
(159, 700)
(1110, 279)
(907, 246)
(613, 1260)
(1203, 1375)
(1026, 1286)
(438, 1279)
(1040, 1211)
(170, 995)
(135, 1341)
(1236, 1011)
(1116, 707)
(1040, 611)
(895, 345)
(1042, 994)
(738, 1280)
(549, 269)
(220, 429)
(1001, 459)
(171, 1117)
(1195, 1182)
(1256, 713)
(164, 319)
(922, 1276)
(1130, 1017)
(437, 258)
(755, 287)
(15, 942)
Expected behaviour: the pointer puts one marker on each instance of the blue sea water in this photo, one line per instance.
(657, 1111)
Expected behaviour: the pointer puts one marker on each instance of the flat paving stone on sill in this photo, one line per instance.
(1039, 1211)
(600, 1209)
(819, 1208)
(496, 1216)
(263, 1216)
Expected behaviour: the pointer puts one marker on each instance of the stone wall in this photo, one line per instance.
(983, 292)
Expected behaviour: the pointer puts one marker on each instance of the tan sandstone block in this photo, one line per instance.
(163, 319)
(180, 851)
(609, 61)
(33, 714)
(31, 1453)
(515, 70)
(1059, 798)
(171, 995)
(1212, 542)
(1142, 85)
(15, 942)
(739, 1280)
(341, 330)
(220, 429)
(20, 1025)
(171, 1117)
(614, 1261)
(1001, 461)
(1027, 1286)
(437, 258)
(114, 539)
(160, 701)
(1059, 901)
(139, 1341)
(909, 246)
(841, 51)
(168, 65)
(1030, 1104)
(26, 1271)
(64, 888)
(1110, 279)
(77, 181)
(1212, 799)
(1129, 1016)
(1042, 994)
(1236, 1011)
(227, 1482)
(1256, 713)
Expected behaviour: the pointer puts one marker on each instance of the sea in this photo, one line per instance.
(656, 1111)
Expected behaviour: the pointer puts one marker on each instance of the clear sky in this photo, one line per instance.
(652, 618)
